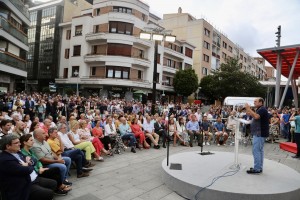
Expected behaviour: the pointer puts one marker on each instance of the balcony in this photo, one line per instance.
(115, 37)
(10, 29)
(21, 7)
(117, 60)
(12, 60)
(174, 53)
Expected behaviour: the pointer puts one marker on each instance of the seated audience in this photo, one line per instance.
(219, 128)
(139, 133)
(148, 127)
(193, 130)
(126, 133)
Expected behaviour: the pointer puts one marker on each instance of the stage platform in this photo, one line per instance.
(277, 182)
(288, 146)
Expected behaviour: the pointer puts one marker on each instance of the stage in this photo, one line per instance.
(277, 182)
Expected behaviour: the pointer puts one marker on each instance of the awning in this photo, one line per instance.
(288, 54)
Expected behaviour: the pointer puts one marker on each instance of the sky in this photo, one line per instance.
(250, 23)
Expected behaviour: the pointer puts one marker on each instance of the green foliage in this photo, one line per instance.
(185, 82)
(230, 81)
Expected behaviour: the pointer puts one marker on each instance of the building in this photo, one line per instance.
(102, 54)
(44, 37)
(270, 71)
(14, 23)
(212, 47)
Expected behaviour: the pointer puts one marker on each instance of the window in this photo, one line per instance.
(158, 58)
(97, 11)
(241, 57)
(230, 49)
(66, 70)
(157, 77)
(169, 62)
(77, 50)
(187, 66)
(140, 74)
(224, 55)
(122, 9)
(96, 28)
(120, 27)
(225, 45)
(119, 49)
(245, 59)
(188, 52)
(143, 17)
(68, 35)
(204, 71)
(93, 73)
(75, 69)
(78, 30)
(205, 58)
(117, 72)
(206, 32)
(67, 53)
(206, 45)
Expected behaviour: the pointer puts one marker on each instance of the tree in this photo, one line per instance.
(230, 81)
(185, 82)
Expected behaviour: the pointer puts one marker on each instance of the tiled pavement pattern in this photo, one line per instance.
(138, 176)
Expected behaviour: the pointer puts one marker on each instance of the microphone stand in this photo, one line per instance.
(168, 143)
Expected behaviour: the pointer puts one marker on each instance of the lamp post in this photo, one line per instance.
(156, 36)
(76, 74)
(199, 88)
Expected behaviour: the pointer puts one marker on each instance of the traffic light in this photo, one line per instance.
(278, 33)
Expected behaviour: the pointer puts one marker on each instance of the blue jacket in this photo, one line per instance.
(15, 179)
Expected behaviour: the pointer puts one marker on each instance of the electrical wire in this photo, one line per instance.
(226, 174)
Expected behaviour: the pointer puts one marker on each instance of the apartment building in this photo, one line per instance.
(14, 23)
(102, 53)
(44, 37)
(212, 47)
(270, 72)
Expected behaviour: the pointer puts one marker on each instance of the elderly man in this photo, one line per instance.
(44, 153)
(46, 126)
(160, 129)
(193, 130)
(19, 129)
(148, 127)
(126, 133)
(57, 147)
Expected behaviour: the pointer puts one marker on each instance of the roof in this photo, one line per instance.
(288, 54)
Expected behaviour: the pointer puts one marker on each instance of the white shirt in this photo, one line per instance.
(65, 140)
(149, 127)
(108, 130)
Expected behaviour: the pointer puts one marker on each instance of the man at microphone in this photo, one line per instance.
(260, 130)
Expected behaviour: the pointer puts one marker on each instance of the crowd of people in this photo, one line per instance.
(41, 135)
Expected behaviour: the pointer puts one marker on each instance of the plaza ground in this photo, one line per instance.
(138, 176)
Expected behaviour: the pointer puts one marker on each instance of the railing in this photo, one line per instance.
(5, 25)
(115, 79)
(105, 54)
(12, 60)
(21, 7)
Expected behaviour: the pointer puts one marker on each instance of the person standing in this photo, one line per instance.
(295, 117)
(260, 130)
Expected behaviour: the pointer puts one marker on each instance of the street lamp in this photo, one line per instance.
(156, 36)
(76, 74)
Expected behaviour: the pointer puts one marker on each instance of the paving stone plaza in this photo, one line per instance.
(138, 176)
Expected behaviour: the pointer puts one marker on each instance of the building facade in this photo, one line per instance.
(102, 53)
(212, 47)
(44, 37)
(14, 23)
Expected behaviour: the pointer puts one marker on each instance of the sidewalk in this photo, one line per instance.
(138, 176)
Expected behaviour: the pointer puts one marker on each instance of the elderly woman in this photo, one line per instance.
(85, 134)
(51, 173)
(112, 135)
(84, 145)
